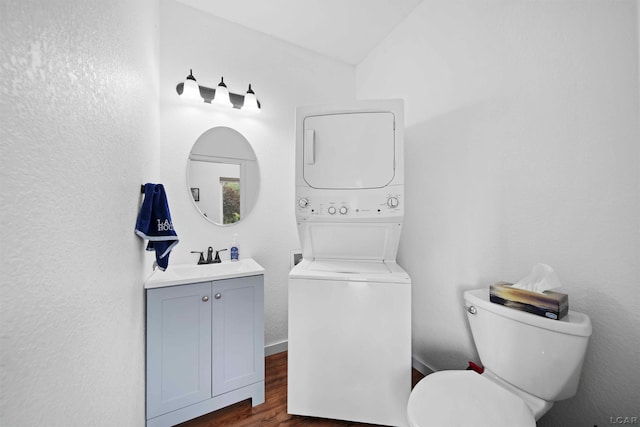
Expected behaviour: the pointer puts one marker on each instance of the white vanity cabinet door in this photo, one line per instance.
(238, 333)
(178, 347)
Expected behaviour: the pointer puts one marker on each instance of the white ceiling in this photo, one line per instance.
(346, 30)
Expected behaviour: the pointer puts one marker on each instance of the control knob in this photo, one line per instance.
(332, 210)
(393, 202)
(303, 203)
(343, 210)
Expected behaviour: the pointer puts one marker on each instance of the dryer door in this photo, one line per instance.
(349, 150)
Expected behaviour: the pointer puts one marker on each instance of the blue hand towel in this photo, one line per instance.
(154, 224)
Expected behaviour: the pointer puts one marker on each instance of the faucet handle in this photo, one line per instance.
(218, 260)
(201, 260)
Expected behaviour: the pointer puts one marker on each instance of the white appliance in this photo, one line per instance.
(349, 302)
(530, 362)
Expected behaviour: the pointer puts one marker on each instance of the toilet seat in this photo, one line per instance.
(465, 398)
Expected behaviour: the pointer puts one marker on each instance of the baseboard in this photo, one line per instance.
(276, 348)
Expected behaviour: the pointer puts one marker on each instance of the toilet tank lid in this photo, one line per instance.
(574, 323)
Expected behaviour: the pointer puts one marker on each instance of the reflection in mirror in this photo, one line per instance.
(216, 191)
(223, 176)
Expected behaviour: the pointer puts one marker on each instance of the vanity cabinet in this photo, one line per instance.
(205, 347)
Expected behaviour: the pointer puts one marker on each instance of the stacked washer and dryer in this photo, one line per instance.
(349, 301)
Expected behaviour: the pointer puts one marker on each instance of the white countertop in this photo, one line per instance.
(192, 273)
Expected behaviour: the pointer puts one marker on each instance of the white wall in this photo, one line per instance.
(522, 146)
(283, 77)
(79, 136)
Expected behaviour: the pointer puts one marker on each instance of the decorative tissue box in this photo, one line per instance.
(553, 305)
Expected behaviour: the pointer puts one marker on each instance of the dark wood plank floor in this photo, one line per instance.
(273, 412)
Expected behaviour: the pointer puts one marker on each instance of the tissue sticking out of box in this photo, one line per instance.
(542, 278)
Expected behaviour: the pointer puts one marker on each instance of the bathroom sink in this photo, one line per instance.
(190, 273)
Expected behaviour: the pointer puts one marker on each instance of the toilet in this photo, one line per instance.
(529, 363)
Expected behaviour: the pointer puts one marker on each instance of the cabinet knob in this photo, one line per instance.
(218, 296)
(205, 298)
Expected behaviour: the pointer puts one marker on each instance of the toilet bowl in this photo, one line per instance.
(530, 362)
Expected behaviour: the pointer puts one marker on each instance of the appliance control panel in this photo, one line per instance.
(349, 204)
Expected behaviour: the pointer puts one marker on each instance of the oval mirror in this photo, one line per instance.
(223, 177)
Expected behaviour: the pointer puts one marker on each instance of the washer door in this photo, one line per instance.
(349, 150)
(465, 398)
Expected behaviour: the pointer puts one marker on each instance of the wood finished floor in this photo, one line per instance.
(273, 412)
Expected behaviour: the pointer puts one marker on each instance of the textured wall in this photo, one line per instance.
(522, 147)
(79, 135)
(283, 77)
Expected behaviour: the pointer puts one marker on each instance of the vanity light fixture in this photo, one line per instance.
(189, 89)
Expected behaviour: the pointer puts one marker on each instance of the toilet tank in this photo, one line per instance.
(541, 356)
